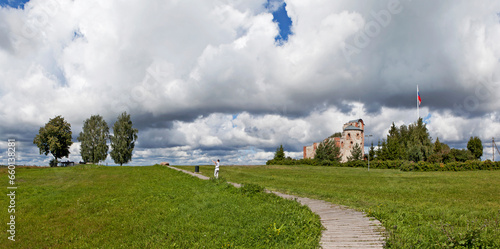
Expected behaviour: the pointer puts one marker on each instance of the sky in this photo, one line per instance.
(232, 80)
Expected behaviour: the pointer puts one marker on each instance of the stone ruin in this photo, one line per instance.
(352, 134)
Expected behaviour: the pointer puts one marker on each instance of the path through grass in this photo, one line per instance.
(418, 209)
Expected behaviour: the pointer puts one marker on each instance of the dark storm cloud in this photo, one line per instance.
(209, 78)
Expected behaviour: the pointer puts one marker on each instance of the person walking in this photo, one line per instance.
(216, 171)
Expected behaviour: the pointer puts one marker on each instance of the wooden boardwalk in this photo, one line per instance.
(345, 228)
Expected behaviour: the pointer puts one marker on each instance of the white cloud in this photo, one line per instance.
(175, 61)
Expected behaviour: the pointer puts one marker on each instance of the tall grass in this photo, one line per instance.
(418, 209)
(149, 207)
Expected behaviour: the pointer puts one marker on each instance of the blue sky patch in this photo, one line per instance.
(280, 16)
(77, 34)
(427, 119)
(17, 4)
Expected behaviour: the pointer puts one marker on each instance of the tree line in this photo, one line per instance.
(56, 138)
(413, 143)
(407, 143)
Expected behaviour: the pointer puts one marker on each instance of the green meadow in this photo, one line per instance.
(149, 207)
(418, 209)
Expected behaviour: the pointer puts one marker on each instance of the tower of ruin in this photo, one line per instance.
(352, 134)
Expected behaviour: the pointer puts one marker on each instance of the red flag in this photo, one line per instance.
(418, 96)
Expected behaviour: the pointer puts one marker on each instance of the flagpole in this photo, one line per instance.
(418, 106)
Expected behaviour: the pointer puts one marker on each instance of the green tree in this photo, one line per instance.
(123, 139)
(475, 146)
(336, 134)
(404, 136)
(280, 153)
(382, 152)
(93, 139)
(415, 152)
(419, 145)
(438, 148)
(445, 148)
(439, 152)
(54, 138)
(328, 151)
(371, 153)
(458, 155)
(395, 148)
(356, 153)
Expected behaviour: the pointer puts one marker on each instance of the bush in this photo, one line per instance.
(307, 161)
(396, 164)
(451, 166)
(392, 164)
(251, 189)
(407, 166)
(356, 164)
(285, 161)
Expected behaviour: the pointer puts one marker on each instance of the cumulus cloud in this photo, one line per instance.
(207, 78)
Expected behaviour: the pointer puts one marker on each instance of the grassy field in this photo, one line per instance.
(418, 209)
(149, 207)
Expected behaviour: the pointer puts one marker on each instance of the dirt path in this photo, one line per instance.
(345, 228)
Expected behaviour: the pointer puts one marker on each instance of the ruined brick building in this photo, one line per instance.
(352, 134)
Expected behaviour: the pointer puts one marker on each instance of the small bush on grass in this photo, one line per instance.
(250, 189)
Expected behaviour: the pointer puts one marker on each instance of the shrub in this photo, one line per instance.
(356, 164)
(407, 166)
(251, 189)
(392, 164)
(402, 165)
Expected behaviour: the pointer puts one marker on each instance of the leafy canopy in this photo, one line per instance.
(54, 138)
(475, 146)
(411, 142)
(123, 139)
(93, 139)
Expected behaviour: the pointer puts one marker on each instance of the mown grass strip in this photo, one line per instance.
(150, 207)
(418, 209)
